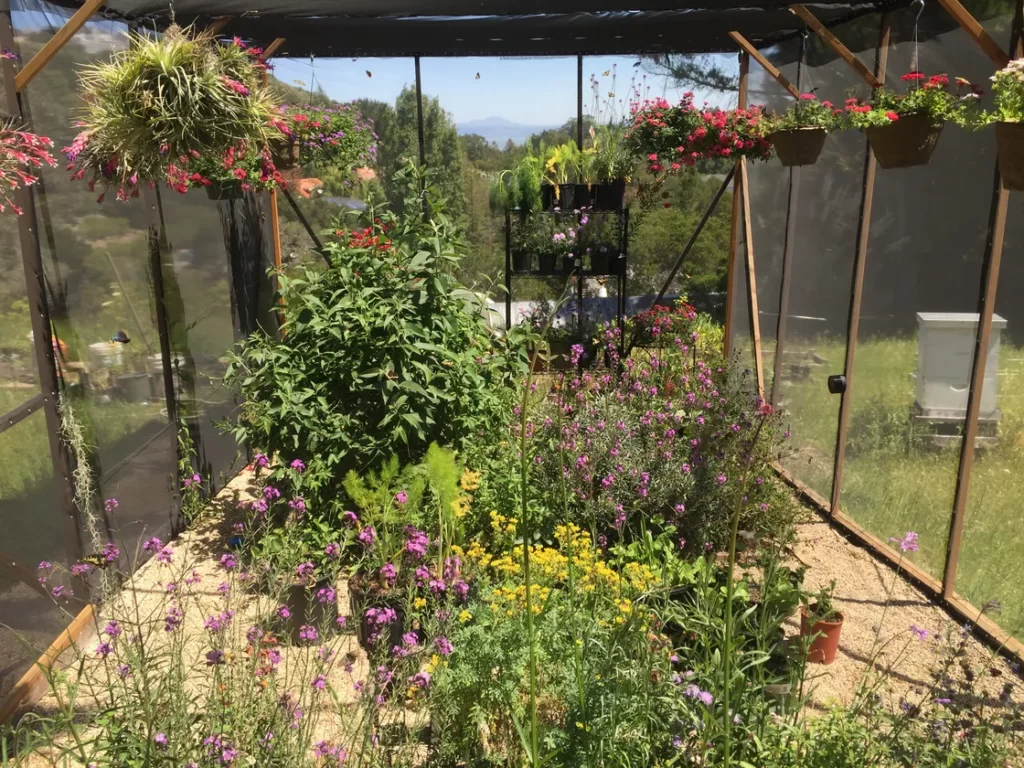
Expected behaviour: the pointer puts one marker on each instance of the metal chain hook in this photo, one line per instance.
(915, 64)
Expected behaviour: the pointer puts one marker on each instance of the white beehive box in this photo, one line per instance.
(945, 356)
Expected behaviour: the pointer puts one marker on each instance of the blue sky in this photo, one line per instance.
(537, 91)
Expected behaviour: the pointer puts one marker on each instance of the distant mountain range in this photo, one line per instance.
(500, 130)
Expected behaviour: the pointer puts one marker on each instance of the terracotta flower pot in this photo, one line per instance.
(826, 637)
(1010, 141)
(537, 363)
(906, 142)
(800, 146)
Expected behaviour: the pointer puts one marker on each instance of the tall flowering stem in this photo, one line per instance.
(764, 410)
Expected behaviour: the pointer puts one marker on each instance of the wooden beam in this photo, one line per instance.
(976, 32)
(22, 689)
(990, 282)
(857, 288)
(271, 49)
(770, 68)
(755, 319)
(736, 212)
(55, 43)
(833, 42)
(218, 24)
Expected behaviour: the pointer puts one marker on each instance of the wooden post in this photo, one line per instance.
(730, 278)
(755, 319)
(421, 138)
(986, 309)
(39, 314)
(857, 289)
(833, 42)
(218, 24)
(275, 233)
(770, 68)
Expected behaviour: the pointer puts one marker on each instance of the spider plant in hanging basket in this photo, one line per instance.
(20, 152)
(798, 134)
(1008, 118)
(163, 103)
(904, 128)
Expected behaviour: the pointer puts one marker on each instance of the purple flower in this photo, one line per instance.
(61, 591)
(284, 613)
(298, 504)
(388, 573)
(420, 680)
(305, 570)
(918, 632)
(694, 692)
(908, 543)
(80, 569)
(325, 596)
(223, 588)
(123, 670)
(341, 621)
(320, 683)
(219, 622)
(443, 645)
(160, 740)
(367, 536)
(113, 629)
(260, 460)
(111, 553)
(228, 561)
(349, 519)
(308, 633)
(214, 658)
(720, 479)
(332, 550)
(416, 542)
(401, 497)
(152, 545)
(297, 465)
(173, 618)
(270, 492)
(110, 505)
(165, 555)
(104, 649)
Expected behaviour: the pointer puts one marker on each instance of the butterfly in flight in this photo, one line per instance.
(477, 75)
(120, 338)
(369, 73)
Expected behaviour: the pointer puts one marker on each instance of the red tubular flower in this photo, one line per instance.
(911, 76)
(892, 116)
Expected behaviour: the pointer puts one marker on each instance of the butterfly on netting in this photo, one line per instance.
(97, 561)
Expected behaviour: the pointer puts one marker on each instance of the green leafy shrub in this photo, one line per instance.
(381, 354)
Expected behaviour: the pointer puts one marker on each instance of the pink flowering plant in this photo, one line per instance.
(166, 103)
(671, 137)
(939, 97)
(806, 112)
(339, 137)
(21, 153)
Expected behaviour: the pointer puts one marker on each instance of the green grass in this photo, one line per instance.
(895, 480)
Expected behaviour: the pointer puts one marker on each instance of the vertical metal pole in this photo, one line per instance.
(419, 114)
(857, 288)
(579, 101)
(508, 272)
(787, 249)
(163, 329)
(730, 278)
(39, 310)
(986, 308)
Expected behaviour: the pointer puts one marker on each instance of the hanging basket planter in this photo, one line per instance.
(1010, 143)
(800, 146)
(906, 142)
(224, 190)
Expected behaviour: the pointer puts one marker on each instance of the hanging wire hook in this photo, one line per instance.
(915, 64)
(804, 70)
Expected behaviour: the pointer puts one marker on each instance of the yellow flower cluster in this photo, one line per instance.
(513, 599)
(460, 507)
(502, 524)
(469, 481)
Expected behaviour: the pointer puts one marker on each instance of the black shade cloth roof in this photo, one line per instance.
(366, 28)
